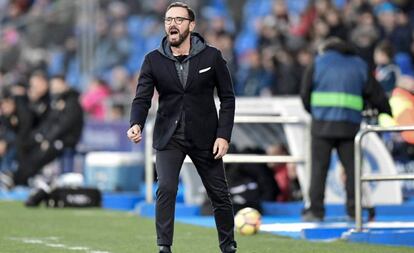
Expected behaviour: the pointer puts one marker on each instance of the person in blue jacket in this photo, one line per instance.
(334, 90)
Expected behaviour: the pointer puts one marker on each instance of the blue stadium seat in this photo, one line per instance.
(403, 60)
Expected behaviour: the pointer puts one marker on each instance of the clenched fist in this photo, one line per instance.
(134, 133)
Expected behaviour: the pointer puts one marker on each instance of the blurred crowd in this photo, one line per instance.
(95, 48)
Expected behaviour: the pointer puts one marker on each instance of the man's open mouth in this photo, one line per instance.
(174, 31)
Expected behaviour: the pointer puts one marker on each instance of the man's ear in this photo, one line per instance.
(192, 26)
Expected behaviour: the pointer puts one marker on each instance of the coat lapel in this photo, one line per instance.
(173, 72)
(193, 70)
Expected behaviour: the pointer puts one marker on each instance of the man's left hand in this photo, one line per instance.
(220, 148)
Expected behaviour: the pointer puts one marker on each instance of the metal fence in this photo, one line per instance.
(358, 169)
(233, 158)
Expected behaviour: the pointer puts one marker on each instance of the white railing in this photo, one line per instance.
(358, 168)
(232, 158)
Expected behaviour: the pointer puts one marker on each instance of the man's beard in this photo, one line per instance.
(181, 38)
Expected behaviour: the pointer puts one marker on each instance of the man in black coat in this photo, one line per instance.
(185, 72)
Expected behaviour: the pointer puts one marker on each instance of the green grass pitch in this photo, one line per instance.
(44, 230)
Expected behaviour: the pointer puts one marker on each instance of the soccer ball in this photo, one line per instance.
(247, 221)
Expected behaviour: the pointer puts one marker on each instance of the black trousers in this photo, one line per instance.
(168, 166)
(321, 156)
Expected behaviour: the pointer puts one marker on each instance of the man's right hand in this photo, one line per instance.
(134, 133)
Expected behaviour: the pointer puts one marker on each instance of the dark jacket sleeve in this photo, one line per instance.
(143, 96)
(306, 87)
(25, 121)
(374, 95)
(6, 133)
(62, 126)
(225, 93)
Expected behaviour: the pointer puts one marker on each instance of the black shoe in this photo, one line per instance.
(309, 216)
(36, 197)
(165, 249)
(230, 249)
(371, 213)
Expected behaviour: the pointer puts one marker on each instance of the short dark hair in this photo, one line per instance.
(6, 93)
(39, 73)
(337, 44)
(190, 11)
(60, 77)
(386, 47)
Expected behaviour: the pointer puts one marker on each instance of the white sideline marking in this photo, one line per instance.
(55, 245)
(297, 227)
(47, 241)
(79, 248)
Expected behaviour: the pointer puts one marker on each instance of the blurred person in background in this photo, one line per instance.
(7, 135)
(269, 34)
(250, 184)
(334, 90)
(10, 48)
(225, 43)
(402, 37)
(95, 99)
(39, 98)
(253, 79)
(319, 32)
(61, 129)
(285, 175)
(304, 57)
(186, 72)
(402, 105)
(386, 72)
(336, 25)
(117, 112)
(287, 73)
(120, 81)
(394, 26)
(16, 123)
(365, 33)
(352, 11)
(33, 104)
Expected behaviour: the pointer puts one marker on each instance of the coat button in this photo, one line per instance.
(176, 122)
